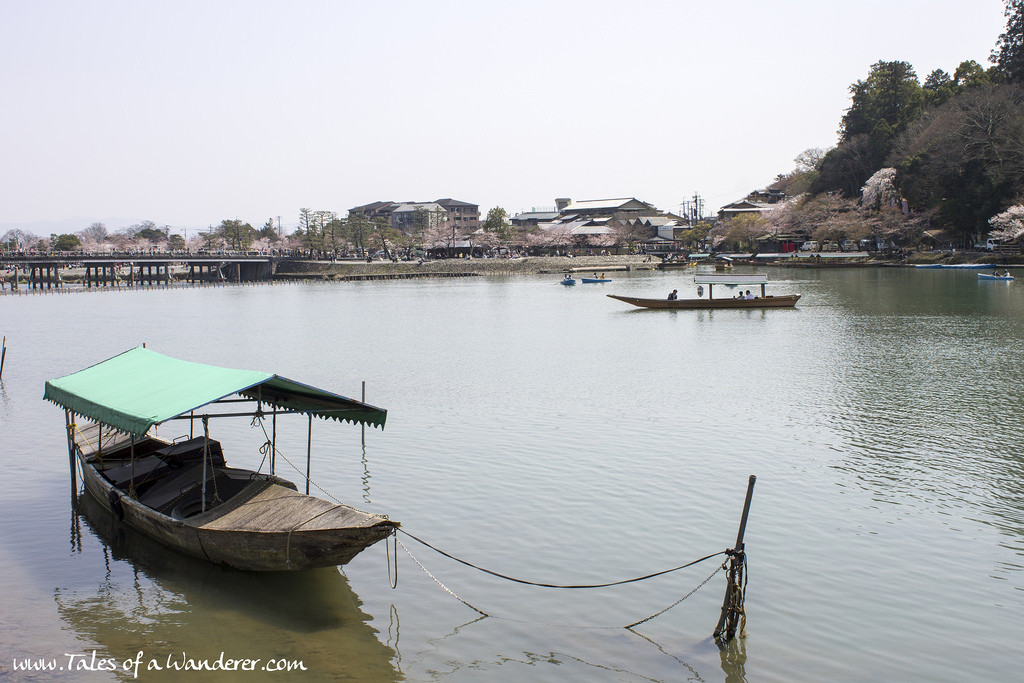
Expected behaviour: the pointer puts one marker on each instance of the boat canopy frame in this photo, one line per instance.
(139, 388)
(712, 279)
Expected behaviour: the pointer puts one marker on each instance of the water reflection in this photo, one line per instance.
(165, 604)
(734, 660)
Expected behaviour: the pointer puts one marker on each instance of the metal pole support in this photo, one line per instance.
(732, 604)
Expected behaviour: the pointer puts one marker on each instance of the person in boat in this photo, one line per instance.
(673, 295)
(748, 295)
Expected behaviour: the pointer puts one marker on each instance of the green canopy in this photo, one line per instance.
(140, 388)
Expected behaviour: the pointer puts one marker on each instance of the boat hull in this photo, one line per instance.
(1006, 278)
(786, 301)
(264, 527)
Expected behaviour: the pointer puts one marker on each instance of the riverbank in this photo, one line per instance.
(340, 270)
(294, 271)
(346, 270)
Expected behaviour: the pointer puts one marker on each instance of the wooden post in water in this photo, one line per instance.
(3, 355)
(206, 456)
(273, 439)
(733, 615)
(69, 425)
(364, 424)
(309, 450)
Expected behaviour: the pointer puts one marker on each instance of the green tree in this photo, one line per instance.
(938, 87)
(357, 229)
(882, 106)
(846, 167)
(65, 242)
(236, 234)
(268, 232)
(970, 74)
(498, 223)
(1009, 54)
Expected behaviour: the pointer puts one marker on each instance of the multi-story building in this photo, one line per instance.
(463, 216)
(408, 216)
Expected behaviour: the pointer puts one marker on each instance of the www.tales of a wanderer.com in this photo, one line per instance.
(175, 661)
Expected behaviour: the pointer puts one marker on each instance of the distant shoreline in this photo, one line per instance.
(340, 270)
(349, 270)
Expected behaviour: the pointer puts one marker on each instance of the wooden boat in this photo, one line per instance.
(988, 276)
(762, 301)
(183, 493)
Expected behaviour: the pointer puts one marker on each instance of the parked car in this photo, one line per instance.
(988, 245)
(848, 245)
(810, 245)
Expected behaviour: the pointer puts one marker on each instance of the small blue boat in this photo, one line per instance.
(987, 276)
(568, 280)
(928, 265)
(595, 279)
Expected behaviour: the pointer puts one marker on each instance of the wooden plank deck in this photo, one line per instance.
(280, 509)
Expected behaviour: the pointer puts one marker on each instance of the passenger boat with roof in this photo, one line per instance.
(710, 279)
(182, 492)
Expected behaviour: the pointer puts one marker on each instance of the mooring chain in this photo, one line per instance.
(699, 586)
(446, 589)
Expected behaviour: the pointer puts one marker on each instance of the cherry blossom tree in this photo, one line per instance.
(879, 189)
(1008, 226)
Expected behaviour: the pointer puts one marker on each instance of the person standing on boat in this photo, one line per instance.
(673, 295)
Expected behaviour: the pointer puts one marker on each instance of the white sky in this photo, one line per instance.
(186, 113)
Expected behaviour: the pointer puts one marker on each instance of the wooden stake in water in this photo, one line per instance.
(70, 425)
(733, 615)
(3, 355)
(364, 424)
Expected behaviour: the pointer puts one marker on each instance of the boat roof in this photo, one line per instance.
(140, 388)
(730, 279)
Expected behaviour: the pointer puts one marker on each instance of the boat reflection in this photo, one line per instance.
(167, 605)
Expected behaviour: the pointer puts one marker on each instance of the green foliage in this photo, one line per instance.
(152, 234)
(497, 222)
(882, 107)
(1009, 54)
(846, 167)
(268, 232)
(938, 87)
(65, 242)
(236, 234)
(176, 242)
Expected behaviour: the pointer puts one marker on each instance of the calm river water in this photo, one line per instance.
(555, 435)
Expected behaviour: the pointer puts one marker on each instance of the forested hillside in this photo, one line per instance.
(945, 154)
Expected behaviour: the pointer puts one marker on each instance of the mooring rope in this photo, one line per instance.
(393, 578)
(555, 585)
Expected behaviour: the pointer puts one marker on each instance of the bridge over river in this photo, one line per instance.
(44, 270)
